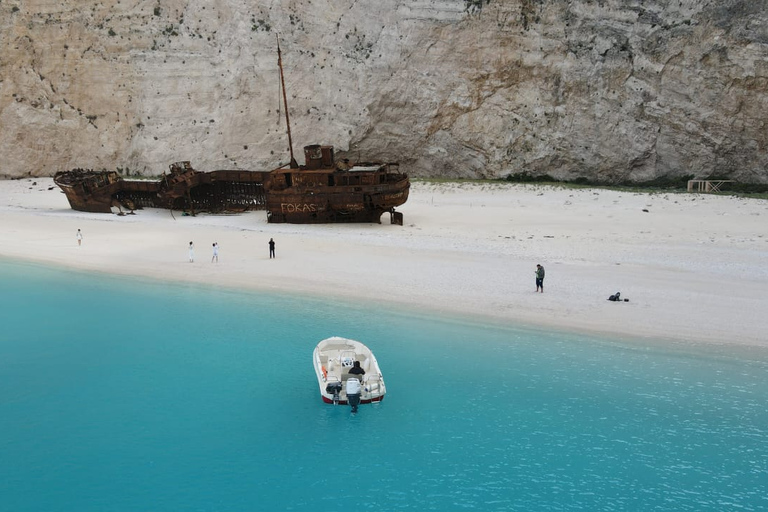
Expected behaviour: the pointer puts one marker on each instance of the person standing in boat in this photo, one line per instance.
(191, 252)
(271, 248)
(353, 393)
(357, 369)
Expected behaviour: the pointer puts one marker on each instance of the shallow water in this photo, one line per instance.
(123, 394)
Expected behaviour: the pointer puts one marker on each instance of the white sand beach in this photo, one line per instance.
(694, 267)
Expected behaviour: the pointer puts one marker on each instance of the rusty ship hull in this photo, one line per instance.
(182, 189)
(89, 191)
(322, 191)
(342, 204)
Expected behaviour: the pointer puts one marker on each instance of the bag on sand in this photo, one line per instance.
(615, 298)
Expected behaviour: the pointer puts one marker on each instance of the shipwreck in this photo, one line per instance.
(322, 190)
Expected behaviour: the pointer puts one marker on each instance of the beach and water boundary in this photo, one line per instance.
(694, 267)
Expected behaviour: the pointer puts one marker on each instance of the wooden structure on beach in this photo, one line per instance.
(706, 185)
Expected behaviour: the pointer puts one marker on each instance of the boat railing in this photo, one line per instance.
(332, 378)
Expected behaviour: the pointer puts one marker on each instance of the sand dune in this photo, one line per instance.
(694, 267)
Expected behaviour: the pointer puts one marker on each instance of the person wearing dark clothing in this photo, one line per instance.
(539, 278)
(356, 369)
(271, 248)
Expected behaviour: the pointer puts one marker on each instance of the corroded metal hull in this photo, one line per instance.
(357, 194)
(183, 189)
(321, 191)
(89, 191)
(341, 204)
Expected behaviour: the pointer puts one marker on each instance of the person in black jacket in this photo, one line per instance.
(356, 369)
(539, 278)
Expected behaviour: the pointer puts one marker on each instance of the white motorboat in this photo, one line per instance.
(333, 359)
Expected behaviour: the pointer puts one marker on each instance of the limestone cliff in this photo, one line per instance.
(611, 90)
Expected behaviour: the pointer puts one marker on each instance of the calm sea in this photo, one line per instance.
(132, 395)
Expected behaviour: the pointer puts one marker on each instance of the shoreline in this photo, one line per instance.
(694, 267)
(741, 352)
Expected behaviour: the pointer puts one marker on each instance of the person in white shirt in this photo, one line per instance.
(353, 393)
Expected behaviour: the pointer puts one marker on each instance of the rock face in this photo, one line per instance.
(610, 90)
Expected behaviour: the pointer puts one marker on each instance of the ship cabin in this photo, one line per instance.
(321, 170)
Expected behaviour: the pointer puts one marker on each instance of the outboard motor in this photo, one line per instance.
(353, 393)
(334, 388)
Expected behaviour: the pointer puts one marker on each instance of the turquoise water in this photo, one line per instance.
(129, 395)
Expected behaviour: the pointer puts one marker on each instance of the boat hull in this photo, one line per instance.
(314, 194)
(311, 201)
(329, 400)
(182, 189)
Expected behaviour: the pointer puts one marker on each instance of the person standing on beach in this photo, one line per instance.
(271, 248)
(215, 252)
(191, 252)
(79, 237)
(539, 278)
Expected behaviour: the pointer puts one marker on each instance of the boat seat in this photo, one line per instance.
(373, 386)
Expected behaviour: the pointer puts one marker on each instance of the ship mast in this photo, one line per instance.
(294, 164)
